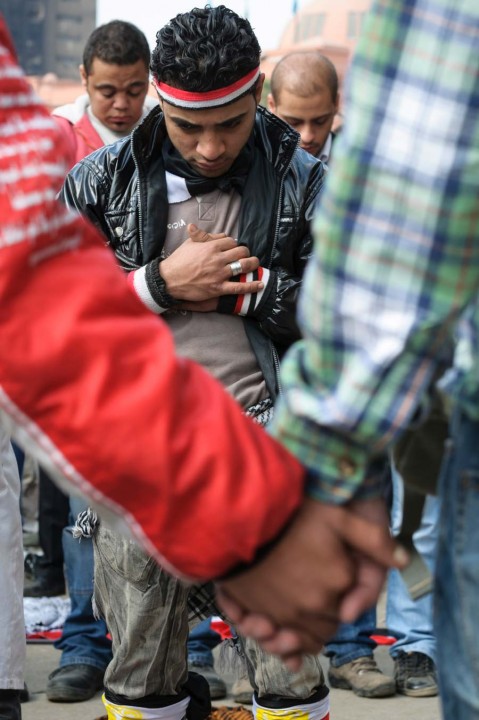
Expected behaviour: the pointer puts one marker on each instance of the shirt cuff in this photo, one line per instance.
(248, 305)
(339, 469)
(137, 281)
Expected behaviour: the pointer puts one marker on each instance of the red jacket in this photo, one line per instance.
(90, 383)
(81, 136)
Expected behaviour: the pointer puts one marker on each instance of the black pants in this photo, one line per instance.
(53, 509)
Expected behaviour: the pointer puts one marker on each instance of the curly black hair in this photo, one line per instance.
(205, 49)
(117, 42)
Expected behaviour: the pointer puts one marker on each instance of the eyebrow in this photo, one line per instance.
(108, 86)
(184, 121)
(300, 119)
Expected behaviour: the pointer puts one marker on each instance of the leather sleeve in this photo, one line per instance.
(277, 315)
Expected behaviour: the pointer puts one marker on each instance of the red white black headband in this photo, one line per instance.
(209, 99)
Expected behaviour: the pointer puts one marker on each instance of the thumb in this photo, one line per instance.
(374, 541)
(365, 592)
(196, 234)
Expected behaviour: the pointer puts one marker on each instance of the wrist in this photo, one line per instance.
(157, 285)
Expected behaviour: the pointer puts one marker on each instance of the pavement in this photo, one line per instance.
(43, 658)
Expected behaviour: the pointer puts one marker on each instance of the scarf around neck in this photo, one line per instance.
(197, 184)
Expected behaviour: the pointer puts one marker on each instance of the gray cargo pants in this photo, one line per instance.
(146, 612)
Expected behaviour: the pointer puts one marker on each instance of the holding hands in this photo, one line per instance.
(328, 568)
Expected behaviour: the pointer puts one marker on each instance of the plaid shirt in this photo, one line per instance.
(396, 259)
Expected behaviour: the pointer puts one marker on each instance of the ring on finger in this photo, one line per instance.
(235, 268)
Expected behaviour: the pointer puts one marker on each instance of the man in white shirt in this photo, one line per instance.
(304, 93)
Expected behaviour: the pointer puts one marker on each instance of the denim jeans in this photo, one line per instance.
(83, 640)
(410, 620)
(201, 641)
(456, 596)
(352, 640)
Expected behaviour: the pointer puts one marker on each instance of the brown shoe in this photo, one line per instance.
(363, 677)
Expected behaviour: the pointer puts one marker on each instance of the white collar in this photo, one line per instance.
(325, 151)
(176, 187)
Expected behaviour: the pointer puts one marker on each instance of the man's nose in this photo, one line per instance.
(307, 135)
(211, 146)
(120, 100)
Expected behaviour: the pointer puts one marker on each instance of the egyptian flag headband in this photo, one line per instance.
(209, 99)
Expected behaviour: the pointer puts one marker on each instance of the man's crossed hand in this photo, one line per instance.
(198, 271)
(328, 568)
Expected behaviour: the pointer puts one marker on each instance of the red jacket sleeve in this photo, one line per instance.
(89, 379)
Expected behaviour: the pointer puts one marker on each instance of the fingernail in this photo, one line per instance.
(261, 285)
(401, 557)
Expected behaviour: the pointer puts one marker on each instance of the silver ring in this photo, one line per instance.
(235, 268)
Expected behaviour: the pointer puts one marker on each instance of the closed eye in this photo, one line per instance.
(229, 124)
(187, 127)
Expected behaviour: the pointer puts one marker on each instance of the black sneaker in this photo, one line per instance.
(44, 587)
(74, 683)
(415, 674)
(10, 705)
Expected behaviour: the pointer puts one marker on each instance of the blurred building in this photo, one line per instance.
(337, 23)
(330, 27)
(49, 35)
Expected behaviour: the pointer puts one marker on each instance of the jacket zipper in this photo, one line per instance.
(275, 242)
(277, 368)
(280, 199)
(140, 211)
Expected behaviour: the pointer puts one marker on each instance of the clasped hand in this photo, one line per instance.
(328, 568)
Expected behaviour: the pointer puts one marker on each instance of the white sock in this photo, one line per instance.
(132, 712)
(309, 711)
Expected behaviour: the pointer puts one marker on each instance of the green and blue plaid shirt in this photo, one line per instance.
(396, 258)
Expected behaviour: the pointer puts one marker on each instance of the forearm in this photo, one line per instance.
(130, 424)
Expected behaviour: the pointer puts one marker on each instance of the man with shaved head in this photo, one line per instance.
(304, 93)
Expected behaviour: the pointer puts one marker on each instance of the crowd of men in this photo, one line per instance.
(209, 209)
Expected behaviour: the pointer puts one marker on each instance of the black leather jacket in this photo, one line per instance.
(121, 188)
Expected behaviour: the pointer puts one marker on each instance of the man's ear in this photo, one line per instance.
(259, 88)
(338, 100)
(83, 75)
(271, 103)
(160, 99)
